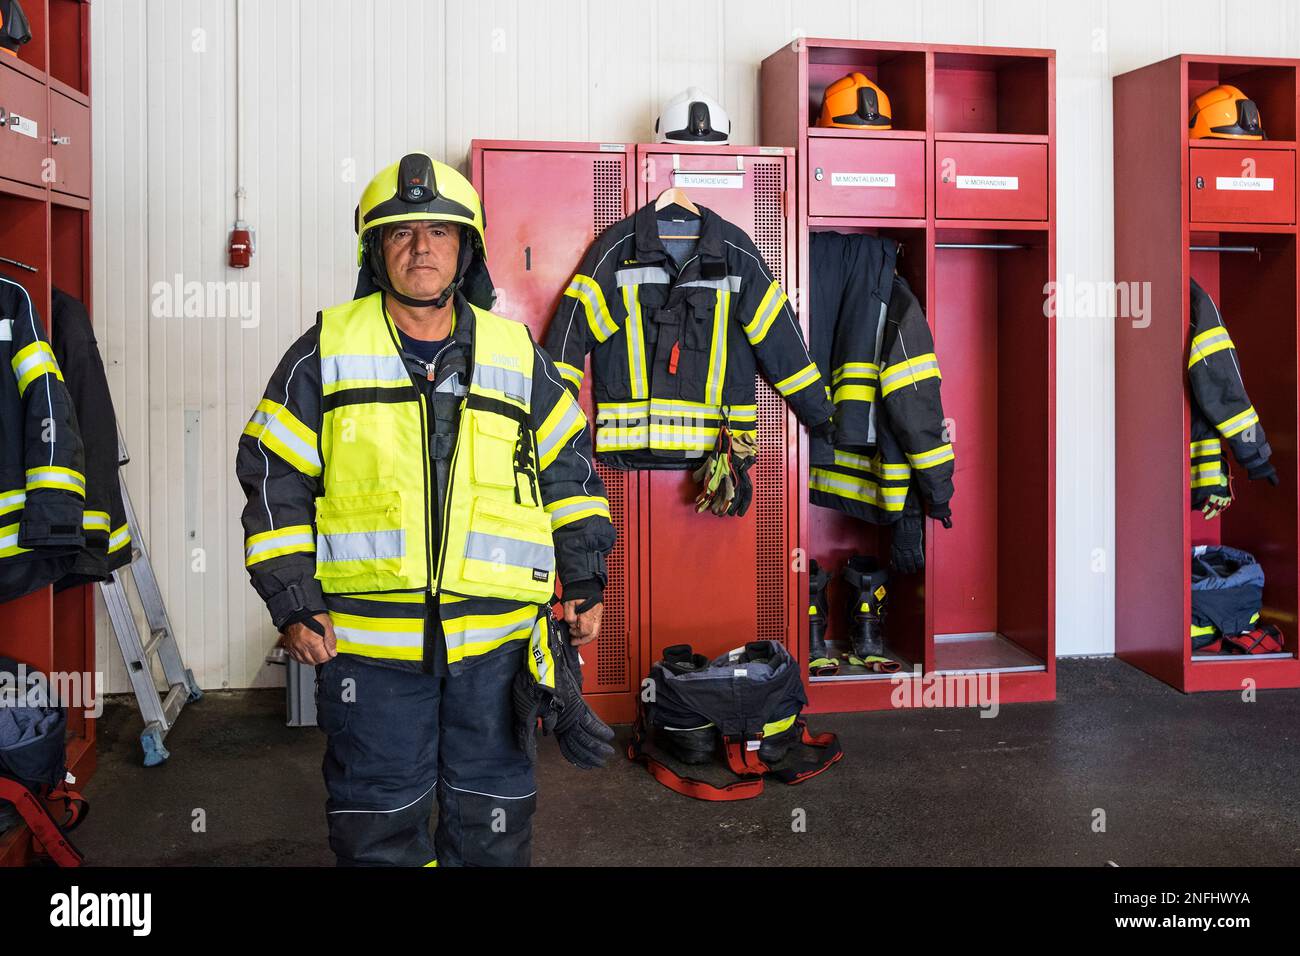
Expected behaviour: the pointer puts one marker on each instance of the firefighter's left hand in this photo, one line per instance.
(584, 627)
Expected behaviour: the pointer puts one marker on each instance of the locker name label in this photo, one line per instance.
(709, 180)
(988, 182)
(1252, 184)
(885, 180)
(24, 126)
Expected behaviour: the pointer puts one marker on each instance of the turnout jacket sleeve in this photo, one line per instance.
(279, 468)
(1218, 388)
(586, 315)
(572, 492)
(53, 456)
(909, 388)
(769, 325)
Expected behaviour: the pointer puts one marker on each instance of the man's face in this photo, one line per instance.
(421, 256)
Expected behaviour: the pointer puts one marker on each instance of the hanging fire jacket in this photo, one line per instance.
(104, 520)
(1227, 592)
(890, 434)
(675, 331)
(1221, 410)
(42, 469)
(455, 496)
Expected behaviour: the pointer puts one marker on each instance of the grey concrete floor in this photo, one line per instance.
(1182, 781)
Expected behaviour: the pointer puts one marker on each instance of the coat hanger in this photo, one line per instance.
(673, 195)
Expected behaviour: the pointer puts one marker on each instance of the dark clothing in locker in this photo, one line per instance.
(42, 466)
(104, 522)
(1221, 409)
(891, 451)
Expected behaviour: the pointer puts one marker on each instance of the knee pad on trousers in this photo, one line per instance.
(480, 829)
(383, 838)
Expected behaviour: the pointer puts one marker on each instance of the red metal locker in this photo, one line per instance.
(70, 145)
(713, 582)
(1242, 185)
(545, 203)
(26, 125)
(990, 180)
(853, 175)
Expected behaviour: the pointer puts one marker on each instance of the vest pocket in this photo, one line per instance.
(362, 447)
(495, 438)
(508, 550)
(359, 536)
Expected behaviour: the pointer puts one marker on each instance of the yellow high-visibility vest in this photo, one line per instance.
(373, 524)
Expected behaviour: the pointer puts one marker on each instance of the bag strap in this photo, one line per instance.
(742, 761)
(46, 835)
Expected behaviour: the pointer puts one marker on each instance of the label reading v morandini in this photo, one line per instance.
(1261, 184)
(885, 180)
(988, 182)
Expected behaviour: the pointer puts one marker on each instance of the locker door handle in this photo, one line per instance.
(57, 140)
(528, 258)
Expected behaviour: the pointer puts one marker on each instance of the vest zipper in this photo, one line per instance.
(435, 571)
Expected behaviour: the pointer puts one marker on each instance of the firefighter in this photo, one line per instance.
(419, 480)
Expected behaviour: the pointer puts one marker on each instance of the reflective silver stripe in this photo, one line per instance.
(55, 477)
(510, 381)
(356, 635)
(360, 546)
(371, 368)
(774, 303)
(119, 537)
(542, 663)
(730, 283)
(560, 431)
(452, 385)
(39, 357)
(585, 504)
(495, 549)
(10, 502)
(283, 541)
(649, 275)
(95, 521)
(9, 540)
(291, 441)
(483, 635)
(907, 371)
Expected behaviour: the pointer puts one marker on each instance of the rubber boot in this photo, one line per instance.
(690, 745)
(819, 661)
(867, 597)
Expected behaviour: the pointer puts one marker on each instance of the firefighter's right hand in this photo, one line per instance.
(310, 641)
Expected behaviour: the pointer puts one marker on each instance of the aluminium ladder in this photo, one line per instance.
(159, 712)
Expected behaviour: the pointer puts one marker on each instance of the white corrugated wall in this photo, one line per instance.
(336, 88)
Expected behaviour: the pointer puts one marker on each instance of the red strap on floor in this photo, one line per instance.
(46, 835)
(1266, 639)
(741, 760)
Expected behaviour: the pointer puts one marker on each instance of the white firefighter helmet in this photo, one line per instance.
(692, 116)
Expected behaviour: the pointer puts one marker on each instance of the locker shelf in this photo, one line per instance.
(979, 652)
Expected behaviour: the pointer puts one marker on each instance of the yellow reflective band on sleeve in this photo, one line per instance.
(9, 541)
(96, 521)
(298, 539)
(635, 342)
(768, 309)
(32, 362)
(587, 291)
(1207, 343)
(718, 349)
(799, 380)
(864, 370)
(568, 510)
(935, 456)
(57, 479)
(558, 428)
(909, 373)
(119, 539)
(864, 488)
(778, 726)
(12, 500)
(853, 393)
(1206, 474)
(1210, 446)
(570, 373)
(279, 429)
(1238, 423)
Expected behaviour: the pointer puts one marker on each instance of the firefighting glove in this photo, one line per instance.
(549, 689)
(744, 448)
(942, 513)
(1219, 500)
(907, 552)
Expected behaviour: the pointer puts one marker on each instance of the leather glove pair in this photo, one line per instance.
(549, 689)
